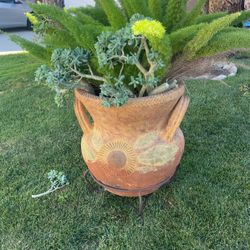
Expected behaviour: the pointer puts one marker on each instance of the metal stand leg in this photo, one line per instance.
(85, 175)
(89, 185)
(142, 204)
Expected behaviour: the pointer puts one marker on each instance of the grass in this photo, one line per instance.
(206, 207)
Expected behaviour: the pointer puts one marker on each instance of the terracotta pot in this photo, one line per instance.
(134, 149)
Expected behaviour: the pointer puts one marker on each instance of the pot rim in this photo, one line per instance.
(181, 86)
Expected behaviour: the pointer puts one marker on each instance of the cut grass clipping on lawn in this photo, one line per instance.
(206, 207)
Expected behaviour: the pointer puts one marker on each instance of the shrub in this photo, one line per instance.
(128, 49)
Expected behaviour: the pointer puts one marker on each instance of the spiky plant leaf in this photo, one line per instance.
(226, 40)
(209, 17)
(139, 6)
(245, 15)
(174, 17)
(114, 14)
(51, 12)
(96, 13)
(181, 37)
(126, 7)
(155, 9)
(195, 12)
(34, 49)
(164, 48)
(59, 38)
(205, 35)
(84, 18)
(84, 34)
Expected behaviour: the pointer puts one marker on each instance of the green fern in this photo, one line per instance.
(195, 12)
(114, 14)
(83, 37)
(204, 36)
(226, 40)
(209, 17)
(34, 49)
(181, 37)
(95, 12)
(59, 38)
(245, 15)
(173, 17)
(84, 18)
(155, 9)
(83, 34)
(125, 4)
(51, 12)
(189, 34)
(139, 6)
(164, 4)
(164, 48)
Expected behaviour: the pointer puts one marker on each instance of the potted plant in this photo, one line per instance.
(126, 64)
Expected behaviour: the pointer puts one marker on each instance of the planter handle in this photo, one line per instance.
(82, 117)
(176, 118)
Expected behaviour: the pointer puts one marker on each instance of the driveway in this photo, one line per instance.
(7, 46)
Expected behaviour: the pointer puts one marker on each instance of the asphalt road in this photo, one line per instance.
(7, 46)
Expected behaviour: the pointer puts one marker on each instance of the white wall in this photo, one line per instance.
(77, 3)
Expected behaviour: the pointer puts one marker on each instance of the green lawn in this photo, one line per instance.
(206, 207)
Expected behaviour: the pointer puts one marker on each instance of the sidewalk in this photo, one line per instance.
(8, 47)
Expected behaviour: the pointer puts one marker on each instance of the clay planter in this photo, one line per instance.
(134, 149)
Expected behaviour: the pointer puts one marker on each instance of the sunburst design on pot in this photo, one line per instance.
(118, 154)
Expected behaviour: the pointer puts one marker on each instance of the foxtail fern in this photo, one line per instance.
(194, 13)
(114, 14)
(204, 35)
(209, 17)
(124, 58)
(181, 37)
(139, 6)
(34, 49)
(173, 17)
(155, 9)
(235, 38)
(126, 6)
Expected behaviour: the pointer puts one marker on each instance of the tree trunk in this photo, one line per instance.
(225, 5)
(59, 3)
(247, 5)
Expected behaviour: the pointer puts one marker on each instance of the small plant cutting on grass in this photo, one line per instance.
(125, 63)
(58, 181)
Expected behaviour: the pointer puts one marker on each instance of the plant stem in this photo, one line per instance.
(139, 50)
(90, 70)
(143, 90)
(141, 68)
(147, 50)
(121, 70)
(93, 77)
(151, 70)
(163, 88)
(47, 192)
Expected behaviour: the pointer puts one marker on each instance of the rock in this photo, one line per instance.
(219, 78)
(220, 71)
